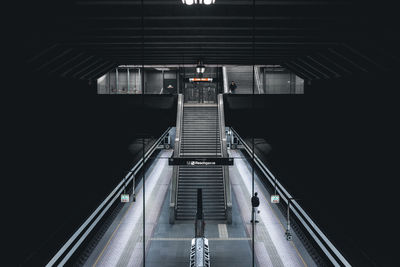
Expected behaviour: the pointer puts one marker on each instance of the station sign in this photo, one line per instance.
(275, 199)
(124, 198)
(200, 80)
(200, 161)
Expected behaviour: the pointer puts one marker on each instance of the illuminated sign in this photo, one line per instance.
(275, 199)
(124, 198)
(193, 162)
(200, 79)
(200, 161)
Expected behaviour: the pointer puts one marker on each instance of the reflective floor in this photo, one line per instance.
(169, 244)
(270, 245)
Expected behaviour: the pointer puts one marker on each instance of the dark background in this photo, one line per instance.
(336, 149)
(64, 146)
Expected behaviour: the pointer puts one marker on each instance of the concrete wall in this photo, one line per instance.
(277, 83)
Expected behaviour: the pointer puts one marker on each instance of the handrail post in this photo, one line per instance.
(227, 184)
(174, 182)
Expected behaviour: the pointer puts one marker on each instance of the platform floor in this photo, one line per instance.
(270, 245)
(169, 244)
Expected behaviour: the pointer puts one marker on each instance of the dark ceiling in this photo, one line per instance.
(317, 39)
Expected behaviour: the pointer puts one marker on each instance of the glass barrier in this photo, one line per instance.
(200, 87)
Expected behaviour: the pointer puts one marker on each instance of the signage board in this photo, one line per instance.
(200, 79)
(201, 161)
(275, 199)
(124, 198)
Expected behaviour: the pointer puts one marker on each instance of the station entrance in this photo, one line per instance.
(200, 92)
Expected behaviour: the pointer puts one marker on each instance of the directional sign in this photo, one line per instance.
(124, 198)
(275, 199)
(200, 79)
(200, 161)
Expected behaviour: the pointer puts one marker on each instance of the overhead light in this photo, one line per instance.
(200, 68)
(191, 2)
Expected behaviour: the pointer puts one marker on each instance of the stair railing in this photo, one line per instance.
(175, 172)
(224, 153)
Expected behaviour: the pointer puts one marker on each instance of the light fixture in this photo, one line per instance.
(200, 68)
(191, 2)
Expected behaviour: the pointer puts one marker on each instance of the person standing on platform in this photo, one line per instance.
(232, 87)
(255, 202)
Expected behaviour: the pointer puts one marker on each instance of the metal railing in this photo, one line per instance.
(331, 252)
(227, 184)
(175, 172)
(73, 243)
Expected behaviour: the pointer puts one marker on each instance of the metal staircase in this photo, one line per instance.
(200, 135)
(210, 179)
(243, 76)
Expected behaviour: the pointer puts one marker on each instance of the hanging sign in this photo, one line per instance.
(124, 198)
(200, 79)
(200, 161)
(275, 199)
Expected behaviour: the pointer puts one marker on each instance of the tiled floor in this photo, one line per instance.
(122, 245)
(230, 248)
(169, 244)
(271, 247)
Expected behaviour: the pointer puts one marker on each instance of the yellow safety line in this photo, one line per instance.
(111, 237)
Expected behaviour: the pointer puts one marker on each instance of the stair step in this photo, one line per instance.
(200, 138)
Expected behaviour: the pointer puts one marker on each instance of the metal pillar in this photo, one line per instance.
(225, 78)
(162, 82)
(264, 77)
(287, 233)
(133, 188)
(116, 80)
(140, 79)
(127, 73)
